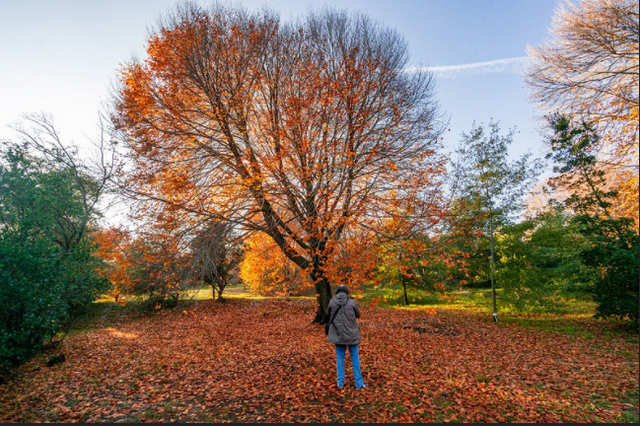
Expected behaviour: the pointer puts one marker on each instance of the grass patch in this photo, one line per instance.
(572, 314)
(474, 300)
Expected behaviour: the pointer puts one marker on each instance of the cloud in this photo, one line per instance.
(508, 65)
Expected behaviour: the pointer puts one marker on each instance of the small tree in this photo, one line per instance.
(215, 253)
(540, 260)
(495, 186)
(462, 234)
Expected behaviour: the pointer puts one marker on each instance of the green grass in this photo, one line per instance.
(471, 300)
(571, 315)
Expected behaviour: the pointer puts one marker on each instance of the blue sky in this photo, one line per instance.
(60, 56)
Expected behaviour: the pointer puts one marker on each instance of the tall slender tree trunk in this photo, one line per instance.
(404, 289)
(493, 268)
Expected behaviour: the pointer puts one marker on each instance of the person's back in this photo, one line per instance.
(345, 329)
(344, 332)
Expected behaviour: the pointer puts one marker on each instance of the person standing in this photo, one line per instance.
(344, 332)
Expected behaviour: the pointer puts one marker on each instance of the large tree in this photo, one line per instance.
(301, 131)
(589, 69)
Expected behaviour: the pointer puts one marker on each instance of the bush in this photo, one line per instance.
(614, 255)
(31, 309)
(40, 292)
(47, 269)
(539, 262)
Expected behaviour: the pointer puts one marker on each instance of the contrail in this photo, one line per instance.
(508, 65)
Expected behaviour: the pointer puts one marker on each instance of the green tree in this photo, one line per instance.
(493, 187)
(539, 260)
(47, 269)
(613, 248)
(69, 187)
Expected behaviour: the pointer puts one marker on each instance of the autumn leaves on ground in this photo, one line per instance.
(264, 361)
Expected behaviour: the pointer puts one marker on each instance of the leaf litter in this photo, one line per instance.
(264, 361)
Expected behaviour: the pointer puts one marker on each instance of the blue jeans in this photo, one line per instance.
(355, 363)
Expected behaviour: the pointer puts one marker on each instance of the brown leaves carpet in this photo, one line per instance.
(263, 361)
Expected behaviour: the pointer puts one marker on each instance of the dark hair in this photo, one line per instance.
(343, 288)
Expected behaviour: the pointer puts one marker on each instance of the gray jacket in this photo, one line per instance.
(345, 329)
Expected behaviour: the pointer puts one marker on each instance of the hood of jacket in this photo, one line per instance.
(341, 298)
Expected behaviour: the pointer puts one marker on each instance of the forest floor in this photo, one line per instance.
(264, 361)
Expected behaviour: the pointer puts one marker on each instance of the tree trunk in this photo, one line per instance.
(218, 287)
(323, 291)
(404, 288)
(493, 271)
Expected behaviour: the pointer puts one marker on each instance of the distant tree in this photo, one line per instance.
(71, 206)
(589, 69)
(158, 270)
(539, 261)
(150, 264)
(493, 187)
(112, 249)
(299, 131)
(578, 172)
(422, 263)
(463, 233)
(215, 253)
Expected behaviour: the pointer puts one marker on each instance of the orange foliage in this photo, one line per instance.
(625, 182)
(281, 130)
(266, 270)
(147, 264)
(589, 68)
(111, 248)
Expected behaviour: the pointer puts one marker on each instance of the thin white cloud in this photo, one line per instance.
(508, 65)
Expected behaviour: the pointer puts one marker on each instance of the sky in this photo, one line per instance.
(61, 57)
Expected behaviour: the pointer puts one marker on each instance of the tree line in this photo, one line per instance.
(296, 156)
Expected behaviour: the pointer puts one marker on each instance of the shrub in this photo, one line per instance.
(41, 290)
(31, 306)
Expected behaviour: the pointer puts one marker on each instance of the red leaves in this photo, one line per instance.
(232, 363)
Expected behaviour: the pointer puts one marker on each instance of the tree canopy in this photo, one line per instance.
(300, 131)
(589, 69)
